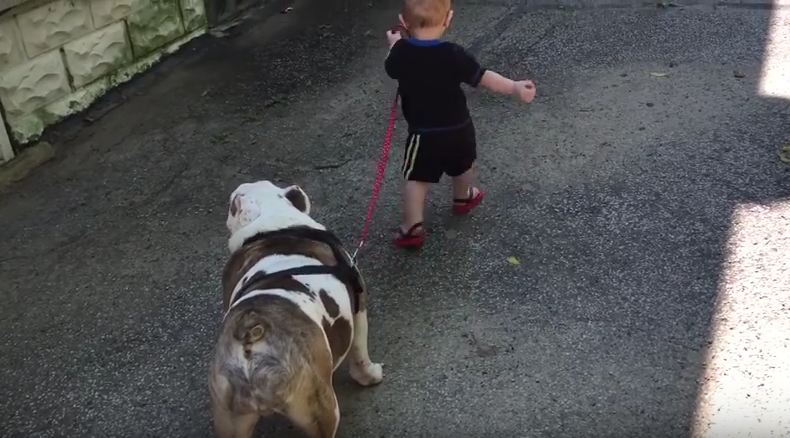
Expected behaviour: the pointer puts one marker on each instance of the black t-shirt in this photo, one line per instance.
(429, 74)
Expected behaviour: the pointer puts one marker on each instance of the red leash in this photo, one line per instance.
(381, 168)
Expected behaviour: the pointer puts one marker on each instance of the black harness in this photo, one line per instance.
(344, 270)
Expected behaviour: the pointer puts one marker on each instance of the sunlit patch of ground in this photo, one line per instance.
(745, 389)
(775, 75)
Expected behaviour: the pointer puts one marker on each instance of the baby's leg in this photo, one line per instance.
(463, 183)
(461, 166)
(466, 197)
(414, 195)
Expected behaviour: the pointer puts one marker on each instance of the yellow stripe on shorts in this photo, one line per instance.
(409, 147)
(413, 156)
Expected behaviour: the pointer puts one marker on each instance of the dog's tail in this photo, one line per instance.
(250, 369)
(251, 330)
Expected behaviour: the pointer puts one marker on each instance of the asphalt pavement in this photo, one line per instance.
(619, 191)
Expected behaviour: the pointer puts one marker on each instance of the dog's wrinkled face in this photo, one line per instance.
(260, 199)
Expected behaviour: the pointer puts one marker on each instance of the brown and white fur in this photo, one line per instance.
(280, 345)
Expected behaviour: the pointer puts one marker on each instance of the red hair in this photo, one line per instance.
(425, 13)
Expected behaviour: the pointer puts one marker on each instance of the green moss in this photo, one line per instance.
(194, 14)
(123, 58)
(26, 128)
(154, 24)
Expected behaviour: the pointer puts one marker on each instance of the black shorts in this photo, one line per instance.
(430, 154)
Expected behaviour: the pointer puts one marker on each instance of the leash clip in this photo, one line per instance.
(356, 252)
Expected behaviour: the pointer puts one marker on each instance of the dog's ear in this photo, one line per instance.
(235, 206)
(298, 198)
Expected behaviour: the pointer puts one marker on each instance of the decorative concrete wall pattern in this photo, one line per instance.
(6, 151)
(194, 14)
(49, 26)
(107, 11)
(97, 54)
(29, 86)
(56, 57)
(153, 23)
(10, 52)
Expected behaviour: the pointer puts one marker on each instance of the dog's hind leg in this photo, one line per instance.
(361, 368)
(315, 409)
(231, 425)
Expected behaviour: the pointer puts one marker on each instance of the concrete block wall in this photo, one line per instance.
(6, 151)
(56, 57)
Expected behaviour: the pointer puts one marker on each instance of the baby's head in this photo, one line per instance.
(426, 14)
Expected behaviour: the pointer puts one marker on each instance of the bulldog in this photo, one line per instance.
(295, 307)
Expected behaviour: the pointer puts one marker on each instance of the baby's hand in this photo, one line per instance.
(393, 36)
(525, 90)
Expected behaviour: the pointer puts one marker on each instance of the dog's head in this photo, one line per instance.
(262, 206)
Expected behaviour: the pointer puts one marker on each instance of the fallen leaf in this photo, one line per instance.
(657, 74)
(513, 261)
(784, 154)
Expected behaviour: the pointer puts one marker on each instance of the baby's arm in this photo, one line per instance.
(393, 36)
(525, 90)
(391, 66)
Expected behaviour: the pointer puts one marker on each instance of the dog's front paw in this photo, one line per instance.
(367, 374)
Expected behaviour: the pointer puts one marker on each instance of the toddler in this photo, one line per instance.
(441, 137)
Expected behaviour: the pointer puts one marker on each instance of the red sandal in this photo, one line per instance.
(465, 206)
(408, 239)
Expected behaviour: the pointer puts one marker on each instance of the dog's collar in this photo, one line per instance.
(302, 232)
(344, 270)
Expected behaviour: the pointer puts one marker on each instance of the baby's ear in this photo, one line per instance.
(402, 21)
(298, 198)
(449, 18)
